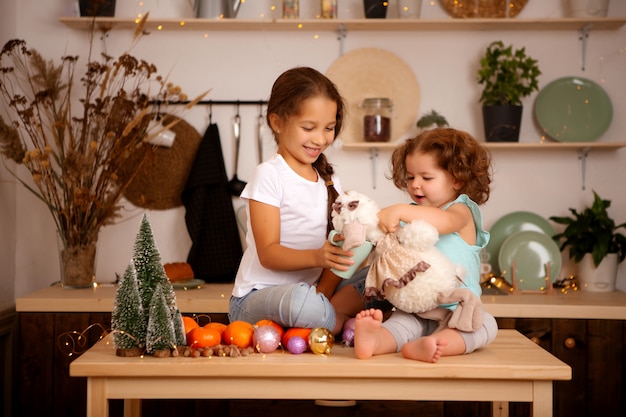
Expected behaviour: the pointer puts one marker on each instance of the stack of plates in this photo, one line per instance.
(524, 239)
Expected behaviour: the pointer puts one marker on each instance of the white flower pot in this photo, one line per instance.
(600, 279)
(585, 8)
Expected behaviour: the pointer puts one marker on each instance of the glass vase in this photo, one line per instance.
(78, 265)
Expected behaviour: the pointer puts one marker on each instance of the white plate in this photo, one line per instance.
(530, 251)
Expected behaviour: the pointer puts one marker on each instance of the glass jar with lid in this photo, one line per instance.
(377, 119)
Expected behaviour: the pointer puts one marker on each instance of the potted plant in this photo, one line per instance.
(431, 120)
(594, 243)
(508, 75)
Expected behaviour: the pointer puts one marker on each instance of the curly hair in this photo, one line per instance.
(457, 152)
(289, 91)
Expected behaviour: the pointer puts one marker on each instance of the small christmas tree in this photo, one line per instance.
(128, 315)
(161, 333)
(160, 323)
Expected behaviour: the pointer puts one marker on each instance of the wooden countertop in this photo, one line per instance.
(214, 299)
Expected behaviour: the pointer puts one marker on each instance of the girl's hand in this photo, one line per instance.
(389, 219)
(331, 256)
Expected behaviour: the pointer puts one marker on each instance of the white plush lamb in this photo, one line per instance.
(409, 271)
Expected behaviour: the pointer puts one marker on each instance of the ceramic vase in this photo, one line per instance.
(97, 8)
(585, 8)
(601, 278)
(375, 9)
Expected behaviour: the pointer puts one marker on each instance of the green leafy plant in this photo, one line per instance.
(508, 75)
(591, 231)
(430, 119)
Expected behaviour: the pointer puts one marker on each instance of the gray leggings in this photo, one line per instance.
(406, 327)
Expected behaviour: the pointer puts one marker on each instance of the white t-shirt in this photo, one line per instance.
(303, 219)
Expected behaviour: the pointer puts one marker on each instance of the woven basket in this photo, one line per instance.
(161, 179)
(483, 8)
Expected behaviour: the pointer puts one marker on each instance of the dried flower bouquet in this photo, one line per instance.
(75, 133)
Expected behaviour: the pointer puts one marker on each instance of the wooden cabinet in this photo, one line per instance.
(595, 351)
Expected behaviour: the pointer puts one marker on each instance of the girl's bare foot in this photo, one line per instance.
(366, 331)
(425, 349)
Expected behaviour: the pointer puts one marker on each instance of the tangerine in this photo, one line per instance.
(220, 327)
(268, 322)
(303, 332)
(201, 337)
(239, 333)
(189, 324)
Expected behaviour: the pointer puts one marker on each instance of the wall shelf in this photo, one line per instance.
(578, 146)
(582, 148)
(108, 23)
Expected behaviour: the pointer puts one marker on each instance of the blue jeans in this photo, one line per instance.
(293, 305)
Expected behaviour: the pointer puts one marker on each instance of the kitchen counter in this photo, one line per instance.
(214, 299)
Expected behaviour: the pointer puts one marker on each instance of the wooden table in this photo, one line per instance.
(512, 368)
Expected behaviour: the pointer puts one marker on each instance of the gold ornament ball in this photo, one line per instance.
(321, 341)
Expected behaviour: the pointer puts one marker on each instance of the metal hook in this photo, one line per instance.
(210, 113)
(158, 115)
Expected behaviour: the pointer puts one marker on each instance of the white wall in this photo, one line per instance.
(243, 65)
(7, 191)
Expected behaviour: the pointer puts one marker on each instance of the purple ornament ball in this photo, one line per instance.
(266, 339)
(349, 324)
(348, 337)
(296, 345)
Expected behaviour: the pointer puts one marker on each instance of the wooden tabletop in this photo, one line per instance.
(511, 356)
(214, 298)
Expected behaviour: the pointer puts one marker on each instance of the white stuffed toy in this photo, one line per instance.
(409, 271)
(355, 216)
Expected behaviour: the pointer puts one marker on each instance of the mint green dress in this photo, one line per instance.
(459, 252)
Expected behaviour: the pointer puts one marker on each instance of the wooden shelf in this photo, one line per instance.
(451, 24)
(504, 145)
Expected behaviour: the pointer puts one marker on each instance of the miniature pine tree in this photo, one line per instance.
(151, 275)
(127, 318)
(147, 261)
(161, 332)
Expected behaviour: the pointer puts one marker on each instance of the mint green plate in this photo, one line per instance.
(573, 109)
(530, 251)
(508, 224)
(192, 284)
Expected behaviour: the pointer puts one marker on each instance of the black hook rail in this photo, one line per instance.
(220, 102)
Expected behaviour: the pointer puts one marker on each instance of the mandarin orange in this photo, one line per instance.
(239, 333)
(201, 337)
(189, 323)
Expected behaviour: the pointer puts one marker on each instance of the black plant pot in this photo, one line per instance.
(90, 8)
(502, 123)
(375, 9)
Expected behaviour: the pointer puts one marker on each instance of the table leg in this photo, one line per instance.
(132, 407)
(500, 409)
(542, 399)
(97, 402)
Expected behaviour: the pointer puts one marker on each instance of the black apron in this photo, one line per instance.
(210, 218)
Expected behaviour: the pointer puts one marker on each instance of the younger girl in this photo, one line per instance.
(447, 174)
(284, 273)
